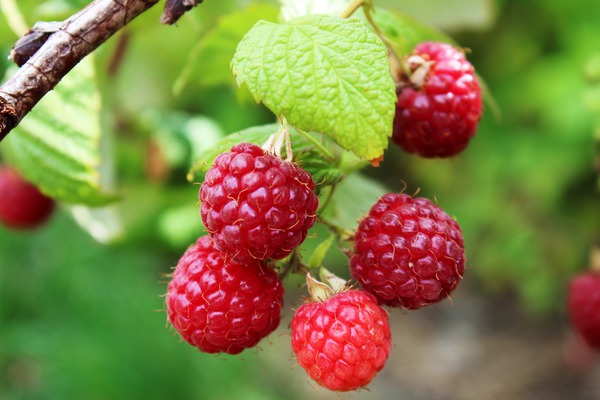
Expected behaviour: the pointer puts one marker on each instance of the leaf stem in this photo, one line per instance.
(343, 233)
(396, 63)
(352, 7)
(318, 145)
(324, 204)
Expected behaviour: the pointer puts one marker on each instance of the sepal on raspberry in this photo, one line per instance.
(218, 305)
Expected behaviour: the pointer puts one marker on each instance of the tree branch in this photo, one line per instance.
(74, 39)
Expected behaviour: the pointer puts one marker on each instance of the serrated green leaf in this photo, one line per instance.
(322, 74)
(57, 145)
(208, 63)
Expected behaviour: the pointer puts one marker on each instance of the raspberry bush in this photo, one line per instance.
(305, 183)
(274, 200)
(261, 191)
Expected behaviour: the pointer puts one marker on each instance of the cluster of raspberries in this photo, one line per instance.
(225, 295)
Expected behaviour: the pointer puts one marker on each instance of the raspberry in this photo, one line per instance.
(255, 205)
(584, 307)
(438, 114)
(219, 305)
(343, 341)
(22, 205)
(408, 252)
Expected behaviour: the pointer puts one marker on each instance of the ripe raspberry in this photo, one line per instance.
(439, 113)
(408, 252)
(584, 307)
(343, 341)
(255, 205)
(219, 305)
(22, 205)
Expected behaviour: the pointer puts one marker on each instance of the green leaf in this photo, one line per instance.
(450, 15)
(208, 63)
(57, 145)
(362, 191)
(318, 255)
(322, 74)
(405, 32)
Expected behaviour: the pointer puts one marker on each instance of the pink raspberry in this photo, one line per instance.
(343, 341)
(218, 305)
(22, 205)
(583, 306)
(255, 205)
(408, 252)
(438, 113)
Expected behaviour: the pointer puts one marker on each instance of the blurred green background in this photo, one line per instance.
(81, 319)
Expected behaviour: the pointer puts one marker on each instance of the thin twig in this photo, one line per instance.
(77, 37)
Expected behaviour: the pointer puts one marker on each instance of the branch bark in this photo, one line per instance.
(77, 37)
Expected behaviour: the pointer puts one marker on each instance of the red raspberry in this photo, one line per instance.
(408, 252)
(343, 341)
(22, 205)
(255, 205)
(439, 113)
(584, 307)
(219, 305)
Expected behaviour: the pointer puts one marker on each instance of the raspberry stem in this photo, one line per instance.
(316, 143)
(293, 265)
(352, 7)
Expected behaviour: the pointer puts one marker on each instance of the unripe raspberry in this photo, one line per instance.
(255, 205)
(343, 341)
(438, 113)
(408, 252)
(22, 205)
(583, 306)
(218, 305)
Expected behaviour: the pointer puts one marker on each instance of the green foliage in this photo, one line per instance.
(405, 32)
(57, 147)
(322, 74)
(209, 60)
